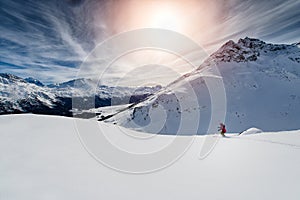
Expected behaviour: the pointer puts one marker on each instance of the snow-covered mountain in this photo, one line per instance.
(18, 95)
(34, 81)
(86, 87)
(262, 89)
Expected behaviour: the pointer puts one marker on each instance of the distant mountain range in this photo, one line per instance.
(29, 95)
(262, 87)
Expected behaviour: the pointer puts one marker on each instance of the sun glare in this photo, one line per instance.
(165, 19)
(193, 18)
(151, 14)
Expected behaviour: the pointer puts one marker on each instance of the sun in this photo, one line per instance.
(149, 14)
(197, 19)
(166, 18)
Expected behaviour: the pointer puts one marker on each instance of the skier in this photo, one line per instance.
(222, 129)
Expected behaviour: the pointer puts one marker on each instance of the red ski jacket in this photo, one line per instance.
(223, 130)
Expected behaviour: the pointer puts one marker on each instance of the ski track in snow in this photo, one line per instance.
(263, 140)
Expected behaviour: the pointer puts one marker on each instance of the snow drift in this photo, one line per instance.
(251, 131)
(41, 157)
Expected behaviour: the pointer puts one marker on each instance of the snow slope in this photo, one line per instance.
(261, 89)
(41, 157)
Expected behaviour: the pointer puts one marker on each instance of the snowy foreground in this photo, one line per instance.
(42, 157)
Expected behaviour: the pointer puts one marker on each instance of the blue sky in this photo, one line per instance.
(48, 40)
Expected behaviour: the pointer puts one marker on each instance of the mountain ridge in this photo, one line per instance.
(261, 82)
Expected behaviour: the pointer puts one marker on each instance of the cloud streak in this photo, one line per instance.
(50, 39)
(45, 36)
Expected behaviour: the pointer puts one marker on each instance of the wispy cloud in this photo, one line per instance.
(43, 38)
(50, 39)
(275, 21)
